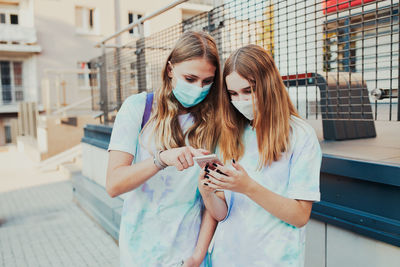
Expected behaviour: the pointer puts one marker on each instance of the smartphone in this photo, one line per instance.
(203, 160)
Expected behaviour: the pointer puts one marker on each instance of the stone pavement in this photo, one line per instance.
(40, 225)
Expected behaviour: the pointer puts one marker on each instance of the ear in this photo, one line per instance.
(169, 70)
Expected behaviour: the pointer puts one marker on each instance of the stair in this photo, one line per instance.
(72, 155)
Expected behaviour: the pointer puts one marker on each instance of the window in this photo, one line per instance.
(7, 131)
(17, 74)
(11, 81)
(13, 19)
(133, 17)
(86, 20)
(91, 23)
(8, 18)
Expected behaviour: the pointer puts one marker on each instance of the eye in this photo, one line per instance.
(190, 80)
(207, 82)
(247, 91)
(232, 93)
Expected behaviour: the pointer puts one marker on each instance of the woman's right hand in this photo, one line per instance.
(181, 157)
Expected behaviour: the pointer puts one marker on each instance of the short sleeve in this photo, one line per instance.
(229, 201)
(305, 165)
(127, 124)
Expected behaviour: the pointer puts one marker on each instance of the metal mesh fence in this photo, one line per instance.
(339, 59)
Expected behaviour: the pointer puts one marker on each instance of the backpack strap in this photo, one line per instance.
(147, 109)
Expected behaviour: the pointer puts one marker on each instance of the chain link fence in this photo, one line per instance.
(339, 59)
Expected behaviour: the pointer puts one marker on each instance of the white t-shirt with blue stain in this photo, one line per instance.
(161, 218)
(250, 235)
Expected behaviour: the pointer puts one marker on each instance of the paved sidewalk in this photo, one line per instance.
(40, 225)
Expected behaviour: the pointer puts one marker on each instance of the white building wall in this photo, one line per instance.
(26, 13)
(30, 79)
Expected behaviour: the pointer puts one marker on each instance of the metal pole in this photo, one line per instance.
(398, 72)
(141, 61)
(117, 12)
(118, 53)
(103, 86)
(57, 84)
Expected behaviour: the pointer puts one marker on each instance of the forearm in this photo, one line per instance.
(291, 211)
(207, 229)
(216, 206)
(126, 178)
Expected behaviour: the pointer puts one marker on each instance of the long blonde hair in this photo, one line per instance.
(203, 133)
(272, 108)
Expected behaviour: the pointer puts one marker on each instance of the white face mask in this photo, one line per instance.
(244, 107)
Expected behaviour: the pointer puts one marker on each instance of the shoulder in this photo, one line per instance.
(133, 104)
(132, 108)
(136, 100)
(301, 132)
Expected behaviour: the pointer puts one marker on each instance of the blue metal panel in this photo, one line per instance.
(363, 170)
(360, 196)
(97, 135)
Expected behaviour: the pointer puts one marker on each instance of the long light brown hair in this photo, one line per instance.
(271, 105)
(203, 133)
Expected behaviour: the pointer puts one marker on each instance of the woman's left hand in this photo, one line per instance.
(234, 180)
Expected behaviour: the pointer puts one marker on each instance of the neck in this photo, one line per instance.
(183, 111)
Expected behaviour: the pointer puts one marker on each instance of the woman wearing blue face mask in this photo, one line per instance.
(162, 214)
(187, 92)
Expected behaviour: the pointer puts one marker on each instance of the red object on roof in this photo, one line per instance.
(331, 6)
(298, 76)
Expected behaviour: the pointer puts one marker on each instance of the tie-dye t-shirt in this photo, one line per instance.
(161, 218)
(251, 236)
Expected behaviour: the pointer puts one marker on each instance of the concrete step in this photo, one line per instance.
(93, 198)
(70, 169)
(69, 156)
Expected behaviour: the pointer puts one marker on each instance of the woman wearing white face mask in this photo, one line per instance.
(269, 190)
(162, 214)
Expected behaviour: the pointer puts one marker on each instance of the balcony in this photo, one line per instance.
(10, 97)
(16, 38)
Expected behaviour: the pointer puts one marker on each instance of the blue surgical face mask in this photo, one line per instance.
(190, 95)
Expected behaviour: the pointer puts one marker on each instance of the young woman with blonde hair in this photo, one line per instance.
(275, 160)
(162, 213)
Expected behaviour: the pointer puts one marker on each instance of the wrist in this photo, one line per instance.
(207, 193)
(157, 160)
(250, 188)
(198, 256)
(161, 156)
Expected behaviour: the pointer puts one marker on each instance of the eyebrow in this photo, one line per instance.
(192, 75)
(245, 88)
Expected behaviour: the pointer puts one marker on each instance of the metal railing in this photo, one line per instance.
(11, 95)
(57, 98)
(12, 34)
(309, 38)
